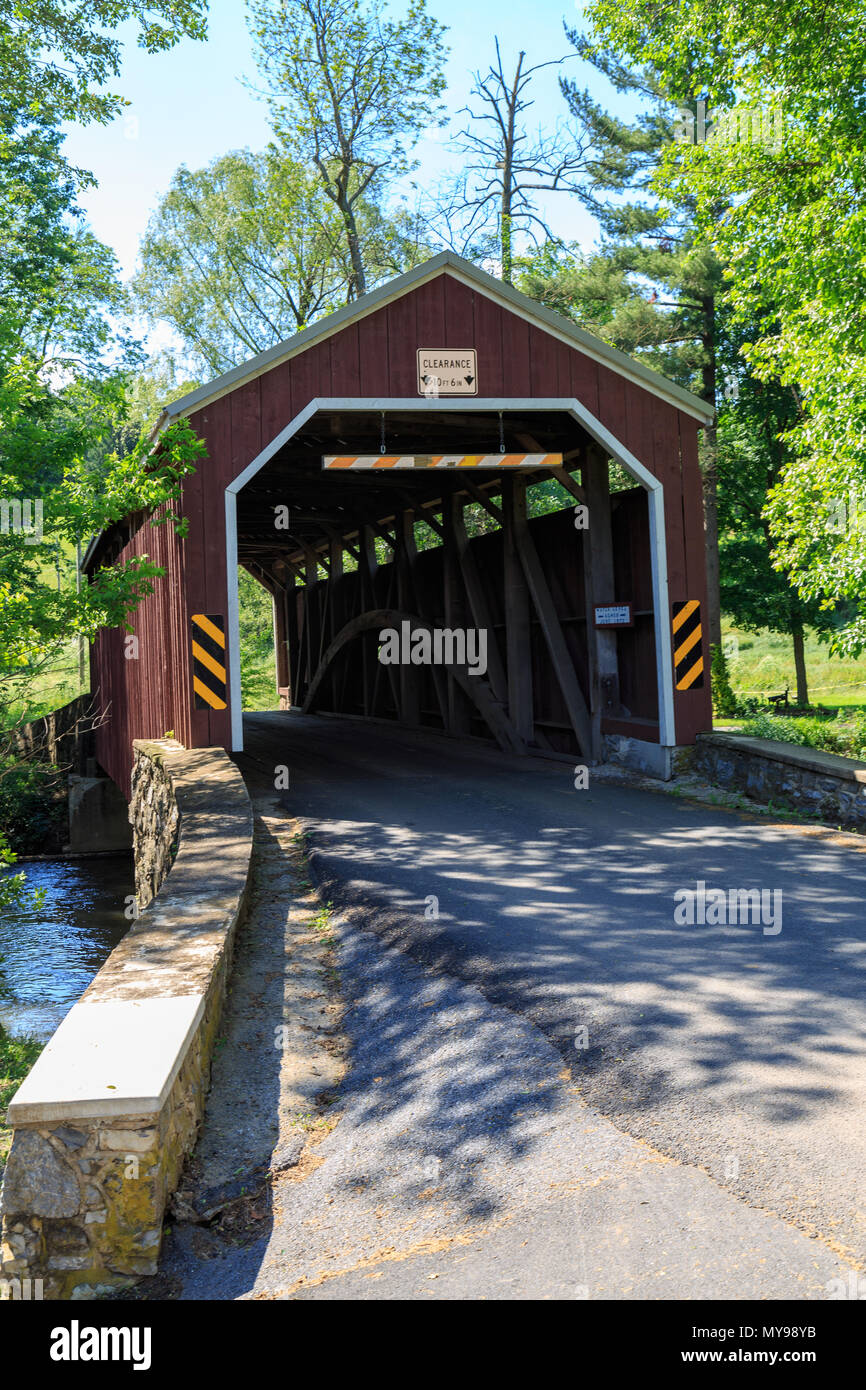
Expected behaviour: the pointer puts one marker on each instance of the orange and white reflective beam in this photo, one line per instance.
(361, 461)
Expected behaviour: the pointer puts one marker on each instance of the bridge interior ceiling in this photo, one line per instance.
(324, 505)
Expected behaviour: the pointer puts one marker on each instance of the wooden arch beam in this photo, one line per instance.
(476, 687)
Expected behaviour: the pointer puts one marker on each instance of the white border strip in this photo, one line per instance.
(593, 426)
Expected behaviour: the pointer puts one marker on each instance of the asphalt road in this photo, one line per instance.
(703, 1136)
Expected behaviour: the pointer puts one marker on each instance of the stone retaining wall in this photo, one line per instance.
(110, 1110)
(154, 816)
(823, 784)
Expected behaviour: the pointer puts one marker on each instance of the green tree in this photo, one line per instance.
(350, 92)
(58, 296)
(661, 278)
(63, 374)
(245, 252)
(790, 168)
(754, 418)
(56, 56)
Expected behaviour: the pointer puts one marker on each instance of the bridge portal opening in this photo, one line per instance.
(503, 570)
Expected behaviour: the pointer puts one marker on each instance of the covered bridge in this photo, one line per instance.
(442, 388)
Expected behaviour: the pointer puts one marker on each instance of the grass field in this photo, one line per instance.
(53, 687)
(762, 664)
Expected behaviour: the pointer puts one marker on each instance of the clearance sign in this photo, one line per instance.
(447, 372)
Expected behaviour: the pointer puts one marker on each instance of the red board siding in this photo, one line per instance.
(144, 696)
(694, 707)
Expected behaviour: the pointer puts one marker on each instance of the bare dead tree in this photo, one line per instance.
(508, 165)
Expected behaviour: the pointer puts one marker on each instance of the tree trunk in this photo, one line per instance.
(800, 665)
(506, 229)
(358, 284)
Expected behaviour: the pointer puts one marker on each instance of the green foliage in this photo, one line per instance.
(792, 240)
(350, 91)
(249, 250)
(35, 616)
(17, 1056)
(845, 734)
(64, 371)
(56, 56)
(13, 890)
(724, 699)
(32, 807)
(258, 688)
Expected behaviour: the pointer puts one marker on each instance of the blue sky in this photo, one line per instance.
(189, 105)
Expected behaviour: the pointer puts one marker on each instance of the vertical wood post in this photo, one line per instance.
(410, 695)
(367, 567)
(560, 656)
(518, 635)
(459, 721)
(281, 654)
(600, 534)
(310, 639)
(481, 615)
(337, 617)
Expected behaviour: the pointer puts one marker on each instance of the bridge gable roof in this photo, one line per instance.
(518, 309)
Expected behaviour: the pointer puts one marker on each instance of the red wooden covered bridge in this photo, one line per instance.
(442, 389)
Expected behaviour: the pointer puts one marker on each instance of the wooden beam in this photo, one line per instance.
(563, 476)
(560, 656)
(336, 613)
(518, 630)
(481, 615)
(368, 564)
(591, 649)
(281, 641)
(408, 676)
(426, 513)
(459, 721)
(600, 537)
(477, 495)
(293, 604)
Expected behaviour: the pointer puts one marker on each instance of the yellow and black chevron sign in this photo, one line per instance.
(209, 660)
(688, 645)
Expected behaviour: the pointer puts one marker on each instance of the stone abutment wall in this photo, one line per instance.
(822, 784)
(110, 1110)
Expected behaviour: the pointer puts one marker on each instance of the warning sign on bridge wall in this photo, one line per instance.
(447, 372)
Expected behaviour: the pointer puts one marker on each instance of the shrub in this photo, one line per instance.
(32, 807)
(724, 699)
(844, 734)
(773, 727)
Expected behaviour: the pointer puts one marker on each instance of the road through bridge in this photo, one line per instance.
(554, 1088)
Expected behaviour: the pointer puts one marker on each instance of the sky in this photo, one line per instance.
(190, 104)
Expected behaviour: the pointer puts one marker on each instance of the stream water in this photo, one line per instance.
(48, 956)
